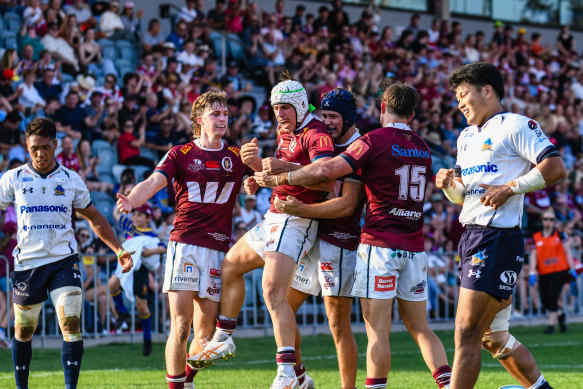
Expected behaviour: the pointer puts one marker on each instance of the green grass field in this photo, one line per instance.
(559, 356)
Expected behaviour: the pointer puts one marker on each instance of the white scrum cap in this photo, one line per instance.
(293, 93)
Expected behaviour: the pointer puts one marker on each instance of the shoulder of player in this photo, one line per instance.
(516, 122)
(70, 174)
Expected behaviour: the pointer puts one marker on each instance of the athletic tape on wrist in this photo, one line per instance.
(455, 195)
(531, 181)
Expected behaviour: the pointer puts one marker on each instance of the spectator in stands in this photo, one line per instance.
(164, 140)
(130, 110)
(88, 168)
(70, 118)
(248, 214)
(83, 14)
(152, 36)
(68, 158)
(128, 145)
(298, 18)
(188, 12)
(9, 133)
(45, 86)
(90, 59)
(61, 49)
(110, 23)
(216, 16)
(29, 97)
(132, 24)
(178, 36)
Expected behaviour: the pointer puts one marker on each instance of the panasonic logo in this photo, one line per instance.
(404, 213)
(487, 168)
(397, 151)
(43, 208)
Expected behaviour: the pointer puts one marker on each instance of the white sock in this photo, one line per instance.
(221, 335)
(286, 370)
(538, 383)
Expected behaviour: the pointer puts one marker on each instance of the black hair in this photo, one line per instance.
(13, 117)
(478, 74)
(41, 127)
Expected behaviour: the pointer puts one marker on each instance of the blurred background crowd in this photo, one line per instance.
(121, 91)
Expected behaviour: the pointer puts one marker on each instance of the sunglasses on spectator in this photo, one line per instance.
(83, 236)
(109, 80)
(548, 219)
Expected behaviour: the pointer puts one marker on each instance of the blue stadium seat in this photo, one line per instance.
(12, 21)
(106, 177)
(127, 50)
(10, 40)
(140, 170)
(147, 152)
(106, 42)
(217, 41)
(123, 70)
(1, 26)
(235, 48)
(107, 159)
(99, 144)
(117, 170)
(109, 52)
(105, 207)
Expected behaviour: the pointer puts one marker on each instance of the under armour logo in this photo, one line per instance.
(20, 367)
(69, 363)
(474, 273)
(75, 275)
(24, 190)
(326, 103)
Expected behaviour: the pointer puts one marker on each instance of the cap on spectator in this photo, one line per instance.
(436, 197)
(145, 209)
(498, 23)
(171, 60)
(86, 82)
(131, 97)
(232, 64)
(203, 48)
(522, 30)
(169, 45)
(250, 197)
(97, 93)
(129, 4)
(508, 27)
(114, 3)
(9, 227)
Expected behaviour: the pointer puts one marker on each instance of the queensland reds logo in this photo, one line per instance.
(196, 165)
(227, 164)
(292, 145)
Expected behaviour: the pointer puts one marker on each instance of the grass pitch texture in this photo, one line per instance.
(122, 365)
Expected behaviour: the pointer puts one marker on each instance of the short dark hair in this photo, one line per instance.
(400, 99)
(478, 74)
(13, 117)
(42, 127)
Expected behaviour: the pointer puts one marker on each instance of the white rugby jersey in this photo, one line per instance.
(43, 205)
(503, 149)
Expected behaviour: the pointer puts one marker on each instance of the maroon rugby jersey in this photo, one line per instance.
(206, 183)
(343, 232)
(395, 165)
(302, 147)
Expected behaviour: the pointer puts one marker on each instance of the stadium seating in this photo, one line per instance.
(104, 204)
(12, 21)
(127, 50)
(147, 152)
(10, 39)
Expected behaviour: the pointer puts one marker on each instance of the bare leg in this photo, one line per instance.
(181, 312)
(338, 310)
(205, 315)
(377, 318)
(295, 298)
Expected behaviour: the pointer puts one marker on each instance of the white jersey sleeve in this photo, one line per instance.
(6, 190)
(503, 149)
(82, 199)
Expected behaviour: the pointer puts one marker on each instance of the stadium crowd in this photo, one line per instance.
(109, 78)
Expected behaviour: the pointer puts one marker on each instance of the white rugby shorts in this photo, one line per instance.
(194, 268)
(326, 268)
(290, 235)
(383, 273)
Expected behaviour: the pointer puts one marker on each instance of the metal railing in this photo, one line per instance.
(443, 288)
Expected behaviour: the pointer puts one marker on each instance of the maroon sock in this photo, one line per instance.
(225, 324)
(189, 371)
(375, 383)
(176, 381)
(442, 375)
(300, 373)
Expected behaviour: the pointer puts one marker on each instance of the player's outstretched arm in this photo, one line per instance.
(331, 209)
(141, 192)
(104, 231)
(309, 175)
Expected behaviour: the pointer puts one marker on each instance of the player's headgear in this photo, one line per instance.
(341, 101)
(293, 93)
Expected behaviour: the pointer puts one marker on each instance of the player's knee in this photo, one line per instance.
(273, 294)
(500, 344)
(25, 321)
(113, 284)
(68, 301)
(142, 306)
(466, 334)
(71, 328)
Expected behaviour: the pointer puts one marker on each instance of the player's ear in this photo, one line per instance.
(411, 117)
(199, 120)
(56, 143)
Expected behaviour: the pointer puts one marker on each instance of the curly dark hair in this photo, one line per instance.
(41, 127)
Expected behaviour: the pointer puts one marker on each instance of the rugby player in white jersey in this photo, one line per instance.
(491, 176)
(44, 194)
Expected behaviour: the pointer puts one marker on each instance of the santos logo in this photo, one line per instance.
(487, 168)
(43, 208)
(397, 151)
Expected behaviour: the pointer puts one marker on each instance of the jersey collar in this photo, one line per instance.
(490, 118)
(354, 137)
(402, 126)
(305, 122)
(43, 175)
(197, 143)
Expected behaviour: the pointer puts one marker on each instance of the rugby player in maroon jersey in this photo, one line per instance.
(206, 175)
(394, 163)
(280, 241)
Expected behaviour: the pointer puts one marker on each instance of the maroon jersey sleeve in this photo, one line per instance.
(169, 162)
(318, 143)
(357, 153)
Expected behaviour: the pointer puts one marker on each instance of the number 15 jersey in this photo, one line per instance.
(206, 183)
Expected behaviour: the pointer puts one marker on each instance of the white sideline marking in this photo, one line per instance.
(310, 358)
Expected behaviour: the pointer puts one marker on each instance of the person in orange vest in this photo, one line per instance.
(553, 261)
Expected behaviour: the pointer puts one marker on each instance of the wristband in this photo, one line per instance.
(120, 253)
(289, 178)
(277, 180)
(531, 181)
